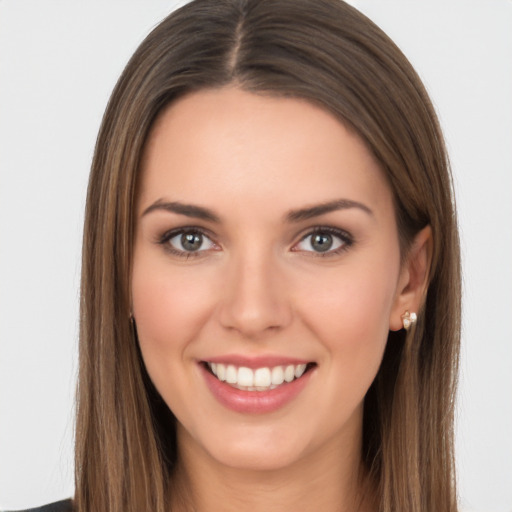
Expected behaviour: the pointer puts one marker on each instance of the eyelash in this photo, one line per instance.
(345, 237)
(346, 241)
(169, 235)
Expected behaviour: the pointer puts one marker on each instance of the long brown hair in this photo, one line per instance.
(328, 53)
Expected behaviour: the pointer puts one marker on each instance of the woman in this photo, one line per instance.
(270, 252)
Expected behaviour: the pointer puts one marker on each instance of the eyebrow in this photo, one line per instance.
(189, 210)
(200, 212)
(323, 208)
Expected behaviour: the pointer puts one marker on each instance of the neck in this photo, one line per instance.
(331, 480)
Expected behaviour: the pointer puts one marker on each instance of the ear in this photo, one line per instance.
(413, 279)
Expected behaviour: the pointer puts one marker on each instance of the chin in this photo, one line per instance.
(257, 458)
(251, 449)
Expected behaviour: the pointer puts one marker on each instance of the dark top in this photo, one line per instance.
(58, 506)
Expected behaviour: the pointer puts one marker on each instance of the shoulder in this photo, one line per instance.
(58, 506)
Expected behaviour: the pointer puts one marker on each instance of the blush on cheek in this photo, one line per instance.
(168, 305)
(355, 301)
(353, 319)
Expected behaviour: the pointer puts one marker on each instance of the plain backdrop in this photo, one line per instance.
(59, 61)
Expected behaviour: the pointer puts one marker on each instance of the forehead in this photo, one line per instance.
(231, 145)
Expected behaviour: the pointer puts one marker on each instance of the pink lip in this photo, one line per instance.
(254, 402)
(257, 362)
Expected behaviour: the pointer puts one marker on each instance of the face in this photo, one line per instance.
(266, 275)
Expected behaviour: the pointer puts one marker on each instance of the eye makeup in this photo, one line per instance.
(194, 241)
(324, 241)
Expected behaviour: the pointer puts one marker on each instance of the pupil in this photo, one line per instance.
(191, 241)
(321, 242)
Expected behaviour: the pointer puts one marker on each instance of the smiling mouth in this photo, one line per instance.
(257, 379)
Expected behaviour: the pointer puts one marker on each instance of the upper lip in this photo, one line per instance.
(256, 362)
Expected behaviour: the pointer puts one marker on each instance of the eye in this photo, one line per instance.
(187, 242)
(324, 241)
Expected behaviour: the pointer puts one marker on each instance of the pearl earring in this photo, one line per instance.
(409, 319)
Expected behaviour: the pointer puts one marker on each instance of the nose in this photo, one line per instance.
(255, 298)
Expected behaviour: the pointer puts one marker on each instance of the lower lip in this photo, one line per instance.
(255, 402)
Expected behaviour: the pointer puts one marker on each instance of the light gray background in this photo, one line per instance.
(58, 63)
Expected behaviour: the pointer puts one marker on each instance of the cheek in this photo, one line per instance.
(349, 312)
(169, 307)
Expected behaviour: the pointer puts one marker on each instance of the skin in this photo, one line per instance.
(259, 288)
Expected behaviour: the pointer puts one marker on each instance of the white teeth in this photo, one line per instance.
(277, 375)
(220, 371)
(231, 374)
(289, 373)
(299, 370)
(245, 377)
(260, 379)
